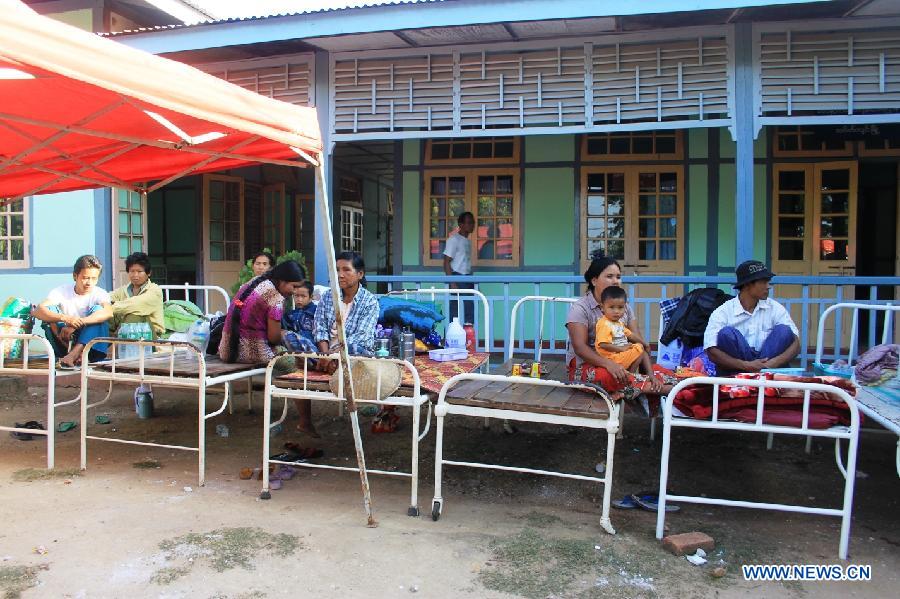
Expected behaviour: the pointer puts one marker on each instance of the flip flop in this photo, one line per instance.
(651, 503)
(274, 484)
(64, 427)
(102, 419)
(284, 473)
(32, 424)
(61, 366)
(628, 501)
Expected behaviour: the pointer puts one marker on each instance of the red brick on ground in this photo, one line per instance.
(688, 542)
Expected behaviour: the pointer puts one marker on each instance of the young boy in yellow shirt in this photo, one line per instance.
(613, 340)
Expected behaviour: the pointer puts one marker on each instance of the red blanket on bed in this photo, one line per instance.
(785, 408)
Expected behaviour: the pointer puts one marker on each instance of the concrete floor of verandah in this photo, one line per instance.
(136, 524)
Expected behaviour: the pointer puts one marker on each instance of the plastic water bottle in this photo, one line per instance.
(199, 334)
(456, 336)
(146, 333)
(125, 350)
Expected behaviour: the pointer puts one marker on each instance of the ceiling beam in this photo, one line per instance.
(510, 31)
(405, 39)
(856, 7)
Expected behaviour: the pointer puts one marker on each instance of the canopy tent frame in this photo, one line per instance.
(69, 65)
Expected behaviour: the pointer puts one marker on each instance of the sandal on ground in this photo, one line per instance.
(32, 424)
(284, 473)
(651, 503)
(274, 484)
(62, 366)
(386, 422)
(305, 453)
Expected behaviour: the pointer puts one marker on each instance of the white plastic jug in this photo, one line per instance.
(456, 335)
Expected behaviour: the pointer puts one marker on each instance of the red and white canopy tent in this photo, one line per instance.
(78, 111)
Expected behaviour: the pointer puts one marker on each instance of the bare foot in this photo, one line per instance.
(72, 358)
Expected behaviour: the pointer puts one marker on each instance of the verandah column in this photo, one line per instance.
(323, 105)
(743, 133)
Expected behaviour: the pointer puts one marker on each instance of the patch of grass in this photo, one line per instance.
(169, 575)
(28, 475)
(222, 549)
(535, 566)
(540, 520)
(147, 464)
(16, 579)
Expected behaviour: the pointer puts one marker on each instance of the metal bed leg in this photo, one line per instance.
(653, 428)
(84, 421)
(663, 475)
(808, 447)
(414, 469)
(437, 503)
(769, 440)
(51, 416)
(249, 394)
(605, 522)
(227, 395)
(267, 419)
(201, 433)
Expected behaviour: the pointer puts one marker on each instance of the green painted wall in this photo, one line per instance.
(549, 148)
(727, 147)
(411, 151)
(727, 224)
(698, 213)
(412, 219)
(548, 210)
(698, 143)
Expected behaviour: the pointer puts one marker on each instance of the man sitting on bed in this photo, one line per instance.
(751, 332)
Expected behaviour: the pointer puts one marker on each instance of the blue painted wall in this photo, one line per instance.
(61, 228)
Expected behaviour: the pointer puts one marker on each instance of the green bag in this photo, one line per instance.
(16, 307)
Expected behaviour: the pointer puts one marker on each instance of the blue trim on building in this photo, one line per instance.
(743, 125)
(103, 234)
(40, 270)
(403, 16)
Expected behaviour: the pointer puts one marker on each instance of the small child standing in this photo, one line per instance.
(614, 340)
(297, 324)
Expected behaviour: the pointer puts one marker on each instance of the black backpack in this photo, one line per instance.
(689, 320)
(216, 325)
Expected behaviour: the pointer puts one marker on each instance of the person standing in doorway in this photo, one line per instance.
(458, 262)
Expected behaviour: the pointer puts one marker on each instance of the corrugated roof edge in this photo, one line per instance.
(263, 17)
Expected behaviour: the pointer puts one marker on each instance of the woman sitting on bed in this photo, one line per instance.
(252, 331)
(584, 363)
(141, 300)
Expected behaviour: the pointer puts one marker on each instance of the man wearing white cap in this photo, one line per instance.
(751, 332)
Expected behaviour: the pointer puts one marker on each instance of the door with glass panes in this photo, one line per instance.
(223, 233)
(636, 215)
(129, 231)
(814, 230)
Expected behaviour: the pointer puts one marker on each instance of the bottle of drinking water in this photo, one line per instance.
(125, 351)
(146, 333)
(198, 334)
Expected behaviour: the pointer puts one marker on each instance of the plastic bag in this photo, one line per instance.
(670, 355)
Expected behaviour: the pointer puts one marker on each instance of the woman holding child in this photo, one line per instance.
(605, 341)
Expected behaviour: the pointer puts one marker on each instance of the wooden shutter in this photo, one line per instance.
(843, 72)
(288, 79)
(659, 81)
(396, 93)
(517, 89)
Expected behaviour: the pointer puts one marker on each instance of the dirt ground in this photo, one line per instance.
(135, 523)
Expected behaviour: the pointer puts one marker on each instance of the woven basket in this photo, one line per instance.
(366, 374)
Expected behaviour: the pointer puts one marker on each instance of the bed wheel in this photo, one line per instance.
(265, 495)
(436, 511)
